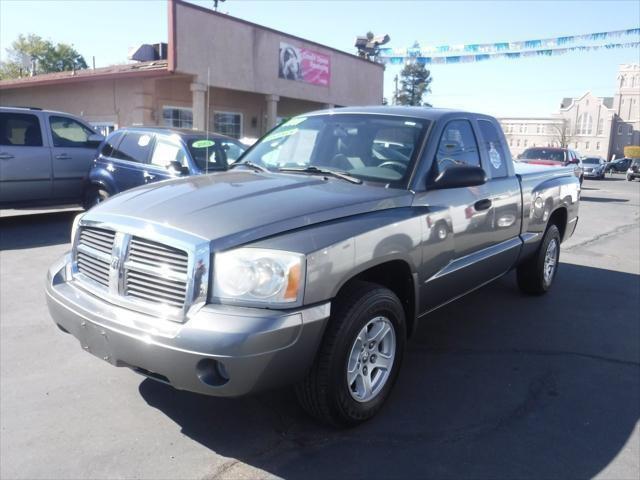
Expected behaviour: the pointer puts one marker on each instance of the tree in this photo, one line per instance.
(49, 57)
(561, 133)
(414, 80)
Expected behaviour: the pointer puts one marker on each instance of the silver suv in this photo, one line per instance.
(44, 157)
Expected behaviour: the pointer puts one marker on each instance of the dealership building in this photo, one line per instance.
(215, 71)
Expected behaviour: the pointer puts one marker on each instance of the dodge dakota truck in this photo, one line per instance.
(311, 260)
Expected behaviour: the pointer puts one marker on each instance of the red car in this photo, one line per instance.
(553, 156)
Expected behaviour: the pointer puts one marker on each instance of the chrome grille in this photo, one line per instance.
(94, 254)
(155, 272)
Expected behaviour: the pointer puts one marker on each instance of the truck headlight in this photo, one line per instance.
(259, 276)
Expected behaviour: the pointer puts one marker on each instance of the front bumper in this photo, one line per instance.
(221, 350)
(593, 174)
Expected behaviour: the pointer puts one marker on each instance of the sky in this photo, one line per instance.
(105, 29)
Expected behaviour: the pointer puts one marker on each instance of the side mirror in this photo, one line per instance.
(176, 168)
(459, 177)
(95, 139)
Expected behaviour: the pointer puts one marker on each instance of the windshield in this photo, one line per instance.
(379, 148)
(211, 154)
(592, 161)
(543, 154)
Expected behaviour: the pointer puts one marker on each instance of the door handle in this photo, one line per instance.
(63, 156)
(147, 176)
(482, 204)
(6, 156)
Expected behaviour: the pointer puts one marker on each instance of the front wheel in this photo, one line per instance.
(629, 178)
(94, 196)
(359, 358)
(537, 273)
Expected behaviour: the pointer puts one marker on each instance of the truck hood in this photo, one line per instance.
(237, 207)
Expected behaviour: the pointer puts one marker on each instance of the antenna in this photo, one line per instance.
(215, 4)
(207, 119)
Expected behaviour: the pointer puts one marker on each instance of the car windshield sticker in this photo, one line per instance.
(203, 144)
(295, 121)
(144, 140)
(281, 134)
(494, 157)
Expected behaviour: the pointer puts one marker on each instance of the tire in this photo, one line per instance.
(629, 178)
(94, 195)
(531, 275)
(325, 392)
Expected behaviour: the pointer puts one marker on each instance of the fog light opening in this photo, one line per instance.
(212, 372)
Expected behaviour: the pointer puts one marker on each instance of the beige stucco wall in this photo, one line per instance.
(205, 40)
(124, 101)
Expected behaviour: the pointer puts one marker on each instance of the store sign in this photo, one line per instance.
(304, 65)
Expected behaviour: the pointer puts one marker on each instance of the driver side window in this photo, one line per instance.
(167, 151)
(457, 146)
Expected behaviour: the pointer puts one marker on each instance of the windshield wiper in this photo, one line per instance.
(322, 171)
(250, 164)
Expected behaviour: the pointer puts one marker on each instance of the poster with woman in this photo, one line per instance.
(303, 65)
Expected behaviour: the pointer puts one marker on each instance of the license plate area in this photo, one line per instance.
(95, 340)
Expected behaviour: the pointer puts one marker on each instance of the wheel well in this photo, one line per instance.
(559, 219)
(396, 276)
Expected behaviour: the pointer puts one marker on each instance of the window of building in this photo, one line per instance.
(526, 141)
(600, 126)
(104, 128)
(629, 130)
(134, 147)
(177, 117)
(586, 145)
(597, 145)
(622, 102)
(228, 123)
(633, 82)
(575, 145)
(619, 129)
(20, 130)
(537, 128)
(457, 146)
(518, 143)
(67, 132)
(585, 124)
(511, 142)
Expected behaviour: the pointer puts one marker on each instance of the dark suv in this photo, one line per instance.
(138, 155)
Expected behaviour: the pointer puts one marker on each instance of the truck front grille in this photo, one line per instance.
(125, 268)
(94, 253)
(156, 273)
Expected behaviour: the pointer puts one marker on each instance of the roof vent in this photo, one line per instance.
(148, 52)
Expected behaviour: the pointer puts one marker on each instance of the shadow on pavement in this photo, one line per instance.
(38, 230)
(602, 199)
(495, 385)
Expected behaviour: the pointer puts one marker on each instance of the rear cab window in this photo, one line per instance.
(494, 149)
(134, 147)
(20, 130)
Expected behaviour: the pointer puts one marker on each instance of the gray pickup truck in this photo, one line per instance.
(311, 260)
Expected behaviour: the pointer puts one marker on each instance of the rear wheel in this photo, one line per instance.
(536, 274)
(359, 359)
(95, 195)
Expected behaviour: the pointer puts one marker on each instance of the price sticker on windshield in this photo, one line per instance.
(203, 144)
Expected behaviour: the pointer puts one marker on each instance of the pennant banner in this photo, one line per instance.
(505, 46)
(549, 52)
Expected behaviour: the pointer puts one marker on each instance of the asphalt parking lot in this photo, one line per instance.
(496, 385)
